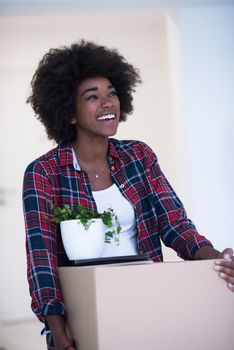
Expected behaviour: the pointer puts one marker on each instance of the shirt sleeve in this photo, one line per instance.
(176, 229)
(41, 243)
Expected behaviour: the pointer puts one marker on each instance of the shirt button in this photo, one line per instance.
(112, 167)
(122, 186)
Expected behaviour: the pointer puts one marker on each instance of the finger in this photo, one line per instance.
(225, 263)
(226, 254)
(229, 271)
(231, 286)
(227, 278)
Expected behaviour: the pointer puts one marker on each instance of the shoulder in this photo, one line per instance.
(44, 163)
(133, 148)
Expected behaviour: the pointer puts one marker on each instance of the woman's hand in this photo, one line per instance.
(225, 267)
(71, 347)
(224, 263)
(57, 326)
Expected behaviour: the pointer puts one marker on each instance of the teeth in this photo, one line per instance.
(106, 117)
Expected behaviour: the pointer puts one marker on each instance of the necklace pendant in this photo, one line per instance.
(96, 176)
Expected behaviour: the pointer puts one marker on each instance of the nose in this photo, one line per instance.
(106, 102)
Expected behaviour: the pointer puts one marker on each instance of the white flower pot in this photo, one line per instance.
(81, 243)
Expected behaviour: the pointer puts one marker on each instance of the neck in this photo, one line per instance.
(93, 151)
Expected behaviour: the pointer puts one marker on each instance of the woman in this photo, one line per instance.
(81, 93)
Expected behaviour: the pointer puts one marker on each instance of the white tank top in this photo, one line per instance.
(111, 197)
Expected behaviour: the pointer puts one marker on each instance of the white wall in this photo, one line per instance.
(208, 63)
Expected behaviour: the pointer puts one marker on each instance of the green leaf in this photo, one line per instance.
(85, 215)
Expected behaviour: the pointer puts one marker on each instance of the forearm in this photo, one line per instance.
(206, 252)
(57, 326)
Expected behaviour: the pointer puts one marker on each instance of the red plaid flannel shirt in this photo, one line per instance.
(52, 178)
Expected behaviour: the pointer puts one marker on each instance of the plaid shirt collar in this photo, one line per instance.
(67, 155)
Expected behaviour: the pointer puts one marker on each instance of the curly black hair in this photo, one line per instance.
(59, 73)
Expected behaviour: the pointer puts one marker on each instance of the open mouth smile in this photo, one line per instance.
(110, 116)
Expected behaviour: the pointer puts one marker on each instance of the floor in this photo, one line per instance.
(23, 335)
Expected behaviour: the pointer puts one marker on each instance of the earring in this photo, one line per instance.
(73, 121)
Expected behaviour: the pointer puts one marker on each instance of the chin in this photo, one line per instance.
(113, 133)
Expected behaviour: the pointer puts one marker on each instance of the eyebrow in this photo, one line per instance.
(95, 88)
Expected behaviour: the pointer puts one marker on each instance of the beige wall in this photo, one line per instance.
(143, 40)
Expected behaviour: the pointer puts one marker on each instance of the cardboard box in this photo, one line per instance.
(156, 306)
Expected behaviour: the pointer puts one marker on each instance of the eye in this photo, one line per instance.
(113, 93)
(92, 97)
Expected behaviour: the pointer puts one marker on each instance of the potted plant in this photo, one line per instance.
(84, 232)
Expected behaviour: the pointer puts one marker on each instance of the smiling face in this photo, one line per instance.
(97, 108)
